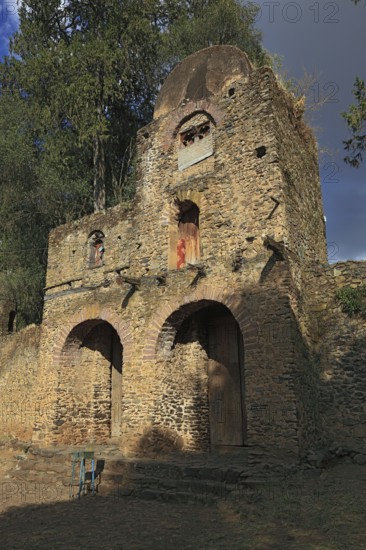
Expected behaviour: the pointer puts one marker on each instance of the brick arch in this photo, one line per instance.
(169, 318)
(191, 115)
(197, 197)
(94, 313)
(187, 111)
(194, 196)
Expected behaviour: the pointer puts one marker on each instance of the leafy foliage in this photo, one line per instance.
(353, 300)
(202, 23)
(356, 120)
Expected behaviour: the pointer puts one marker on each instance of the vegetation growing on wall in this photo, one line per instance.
(353, 300)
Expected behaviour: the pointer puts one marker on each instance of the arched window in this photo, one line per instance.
(96, 249)
(195, 134)
(195, 141)
(188, 245)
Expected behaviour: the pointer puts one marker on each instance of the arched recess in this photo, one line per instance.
(97, 312)
(89, 392)
(164, 321)
(203, 350)
(184, 235)
(96, 248)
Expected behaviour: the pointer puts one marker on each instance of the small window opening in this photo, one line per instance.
(96, 249)
(11, 322)
(231, 92)
(261, 151)
(188, 246)
(194, 134)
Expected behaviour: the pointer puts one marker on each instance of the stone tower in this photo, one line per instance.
(176, 321)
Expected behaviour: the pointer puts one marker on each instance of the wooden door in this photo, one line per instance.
(224, 380)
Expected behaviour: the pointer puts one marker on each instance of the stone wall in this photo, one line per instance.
(19, 361)
(338, 345)
(296, 155)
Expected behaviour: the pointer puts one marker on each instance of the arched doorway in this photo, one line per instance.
(208, 348)
(90, 384)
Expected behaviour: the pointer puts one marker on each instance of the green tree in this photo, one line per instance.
(356, 120)
(22, 231)
(78, 62)
(199, 24)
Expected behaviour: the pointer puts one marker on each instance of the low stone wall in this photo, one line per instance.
(18, 374)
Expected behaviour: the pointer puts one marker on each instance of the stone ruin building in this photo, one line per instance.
(202, 316)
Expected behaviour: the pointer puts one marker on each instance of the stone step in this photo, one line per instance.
(185, 485)
(198, 490)
(184, 480)
(171, 471)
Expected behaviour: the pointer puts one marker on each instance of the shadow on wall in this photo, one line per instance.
(159, 441)
(271, 379)
(90, 384)
(343, 383)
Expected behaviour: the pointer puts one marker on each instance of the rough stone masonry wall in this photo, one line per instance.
(84, 404)
(19, 357)
(68, 252)
(338, 350)
(232, 188)
(183, 407)
(297, 158)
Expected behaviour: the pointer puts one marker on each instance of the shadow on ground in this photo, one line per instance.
(321, 512)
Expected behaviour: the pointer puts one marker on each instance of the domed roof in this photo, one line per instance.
(201, 75)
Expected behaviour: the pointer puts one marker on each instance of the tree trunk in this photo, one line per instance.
(99, 175)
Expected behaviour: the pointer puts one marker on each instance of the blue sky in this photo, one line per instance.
(8, 23)
(327, 39)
